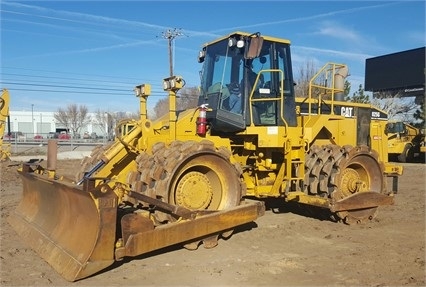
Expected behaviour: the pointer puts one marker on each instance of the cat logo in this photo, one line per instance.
(346, 111)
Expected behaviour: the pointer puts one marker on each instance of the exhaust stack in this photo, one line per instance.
(339, 83)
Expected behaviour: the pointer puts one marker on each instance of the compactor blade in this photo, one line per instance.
(72, 229)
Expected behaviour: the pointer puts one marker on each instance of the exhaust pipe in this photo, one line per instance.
(52, 155)
(339, 83)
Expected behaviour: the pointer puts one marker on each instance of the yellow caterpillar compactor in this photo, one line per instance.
(4, 114)
(192, 176)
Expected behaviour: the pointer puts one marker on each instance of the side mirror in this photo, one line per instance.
(255, 47)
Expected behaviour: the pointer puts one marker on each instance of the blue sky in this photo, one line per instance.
(93, 53)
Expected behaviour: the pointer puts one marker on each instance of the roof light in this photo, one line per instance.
(201, 56)
(143, 90)
(240, 43)
(173, 83)
(232, 42)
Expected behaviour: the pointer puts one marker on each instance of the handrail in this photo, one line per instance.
(330, 80)
(269, 99)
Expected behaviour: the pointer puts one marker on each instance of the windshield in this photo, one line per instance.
(392, 128)
(221, 68)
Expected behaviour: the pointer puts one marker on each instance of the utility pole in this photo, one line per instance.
(32, 118)
(170, 35)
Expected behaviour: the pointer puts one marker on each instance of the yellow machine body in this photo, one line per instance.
(4, 114)
(404, 141)
(190, 177)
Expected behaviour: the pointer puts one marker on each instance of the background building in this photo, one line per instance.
(32, 124)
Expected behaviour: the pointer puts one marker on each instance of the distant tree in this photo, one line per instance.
(419, 115)
(305, 74)
(73, 117)
(304, 77)
(161, 108)
(359, 96)
(107, 121)
(395, 106)
(347, 88)
(187, 98)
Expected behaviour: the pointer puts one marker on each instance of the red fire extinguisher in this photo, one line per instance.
(202, 120)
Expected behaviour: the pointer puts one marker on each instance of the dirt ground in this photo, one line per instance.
(282, 248)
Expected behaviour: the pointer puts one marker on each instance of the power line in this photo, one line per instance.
(58, 86)
(154, 94)
(62, 91)
(49, 77)
(64, 78)
(71, 73)
(69, 82)
(69, 86)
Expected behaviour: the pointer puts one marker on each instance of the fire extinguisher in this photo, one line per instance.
(202, 120)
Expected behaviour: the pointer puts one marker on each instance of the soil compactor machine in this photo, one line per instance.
(190, 177)
(4, 119)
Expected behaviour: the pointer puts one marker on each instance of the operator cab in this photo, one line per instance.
(247, 80)
(395, 128)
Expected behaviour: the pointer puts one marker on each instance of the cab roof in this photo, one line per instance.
(267, 38)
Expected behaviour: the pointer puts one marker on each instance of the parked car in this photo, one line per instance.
(14, 136)
(38, 137)
(86, 136)
(64, 136)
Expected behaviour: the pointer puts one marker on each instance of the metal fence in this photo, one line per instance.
(19, 137)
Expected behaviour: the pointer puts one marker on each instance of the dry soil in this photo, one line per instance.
(285, 247)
